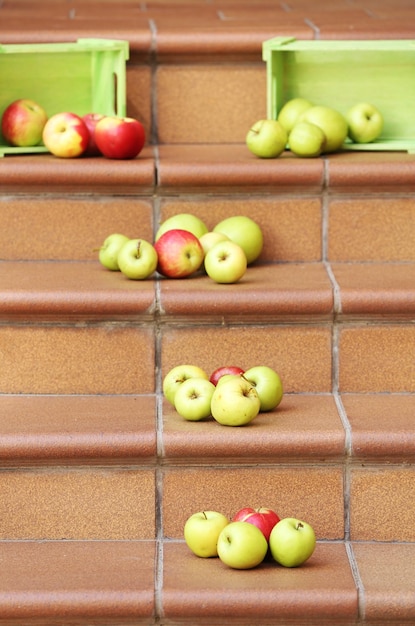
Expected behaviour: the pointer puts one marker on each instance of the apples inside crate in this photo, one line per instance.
(86, 76)
(340, 74)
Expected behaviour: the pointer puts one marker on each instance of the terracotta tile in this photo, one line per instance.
(139, 96)
(77, 582)
(376, 289)
(382, 425)
(368, 358)
(388, 580)
(301, 355)
(361, 28)
(285, 238)
(77, 504)
(371, 229)
(305, 427)
(293, 491)
(71, 228)
(208, 591)
(77, 429)
(81, 360)
(195, 167)
(382, 504)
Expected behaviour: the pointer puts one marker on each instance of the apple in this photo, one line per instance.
(202, 530)
(332, 123)
(306, 140)
(266, 139)
(183, 221)
(179, 253)
(292, 542)
(235, 402)
(137, 259)
(22, 123)
(365, 122)
(268, 385)
(177, 375)
(225, 262)
(263, 518)
(241, 545)
(224, 371)
(119, 137)
(223, 379)
(66, 135)
(108, 252)
(91, 120)
(192, 399)
(208, 240)
(292, 111)
(244, 231)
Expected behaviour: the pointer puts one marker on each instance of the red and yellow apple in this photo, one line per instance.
(66, 135)
(119, 137)
(23, 122)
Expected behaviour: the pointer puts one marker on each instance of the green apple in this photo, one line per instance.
(208, 240)
(292, 542)
(332, 123)
(137, 259)
(365, 122)
(242, 545)
(266, 139)
(268, 385)
(244, 231)
(235, 402)
(183, 221)
(192, 399)
(177, 375)
(202, 530)
(292, 111)
(223, 379)
(108, 252)
(225, 262)
(306, 140)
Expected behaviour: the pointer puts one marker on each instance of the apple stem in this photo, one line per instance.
(204, 514)
(300, 525)
(248, 381)
(138, 247)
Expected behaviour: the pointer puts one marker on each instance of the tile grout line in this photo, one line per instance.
(357, 580)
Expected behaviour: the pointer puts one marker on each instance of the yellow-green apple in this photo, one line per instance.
(292, 542)
(137, 259)
(66, 135)
(291, 112)
(192, 399)
(223, 379)
(263, 518)
(244, 231)
(177, 375)
(91, 120)
(235, 402)
(183, 221)
(179, 253)
(266, 139)
(225, 262)
(268, 385)
(22, 123)
(202, 530)
(365, 122)
(332, 123)
(108, 252)
(119, 137)
(208, 240)
(224, 370)
(306, 140)
(241, 545)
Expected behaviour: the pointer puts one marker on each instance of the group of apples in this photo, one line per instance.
(183, 244)
(25, 123)
(309, 130)
(231, 395)
(252, 534)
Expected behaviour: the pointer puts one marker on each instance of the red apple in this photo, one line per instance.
(223, 371)
(180, 253)
(91, 120)
(263, 518)
(22, 123)
(66, 135)
(119, 137)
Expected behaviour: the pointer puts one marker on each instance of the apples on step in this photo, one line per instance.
(183, 221)
(306, 140)
(226, 262)
(241, 545)
(244, 231)
(202, 530)
(193, 397)
(266, 139)
(137, 259)
(179, 253)
(66, 135)
(23, 122)
(108, 252)
(119, 137)
(332, 123)
(291, 112)
(292, 542)
(365, 122)
(177, 375)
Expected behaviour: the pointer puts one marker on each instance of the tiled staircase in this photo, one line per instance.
(98, 474)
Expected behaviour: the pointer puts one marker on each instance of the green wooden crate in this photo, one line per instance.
(86, 76)
(340, 74)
